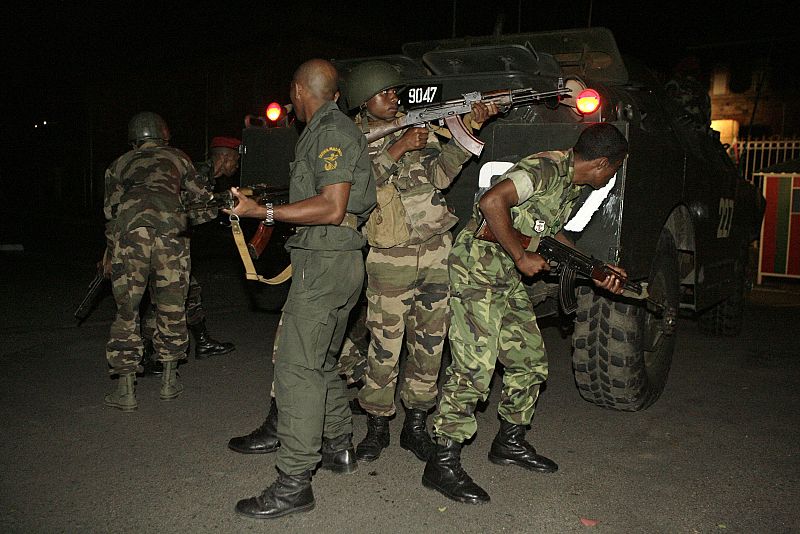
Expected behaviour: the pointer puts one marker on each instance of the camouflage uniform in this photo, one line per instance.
(492, 315)
(146, 189)
(407, 285)
(328, 274)
(195, 314)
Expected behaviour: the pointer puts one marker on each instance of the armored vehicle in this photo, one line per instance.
(678, 215)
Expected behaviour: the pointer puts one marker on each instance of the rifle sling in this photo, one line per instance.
(250, 269)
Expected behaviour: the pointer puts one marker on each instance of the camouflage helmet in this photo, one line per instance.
(147, 125)
(368, 79)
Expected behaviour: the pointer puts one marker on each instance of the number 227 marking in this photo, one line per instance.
(725, 217)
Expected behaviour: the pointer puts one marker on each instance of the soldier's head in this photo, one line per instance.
(599, 153)
(225, 155)
(315, 82)
(147, 126)
(373, 86)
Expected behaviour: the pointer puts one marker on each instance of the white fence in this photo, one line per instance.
(755, 155)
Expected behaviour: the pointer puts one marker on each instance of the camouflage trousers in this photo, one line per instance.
(407, 293)
(195, 314)
(142, 259)
(492, 320)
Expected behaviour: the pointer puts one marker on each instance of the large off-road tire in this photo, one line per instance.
(622, 351)
(725, 318)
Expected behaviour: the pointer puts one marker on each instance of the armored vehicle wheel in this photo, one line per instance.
(622, 352)
(725, 318)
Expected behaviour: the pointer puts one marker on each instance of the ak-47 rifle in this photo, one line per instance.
(263, 194)
(567, 262)
(93, 294)
(451, 111)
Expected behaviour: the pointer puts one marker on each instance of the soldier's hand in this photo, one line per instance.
(245, 206)
(414, 138)
(531, 263)
(613, 283)
(481, 111)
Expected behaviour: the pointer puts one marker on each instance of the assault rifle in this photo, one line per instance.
(263, 194)
(568, 262)
(450, 112)
(93, 294)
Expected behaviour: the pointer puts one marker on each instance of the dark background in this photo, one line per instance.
(87, 69)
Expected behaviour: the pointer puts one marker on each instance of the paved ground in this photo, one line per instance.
(717, 453)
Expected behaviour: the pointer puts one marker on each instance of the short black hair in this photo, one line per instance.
(601, 140)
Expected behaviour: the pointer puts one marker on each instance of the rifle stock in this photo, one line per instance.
(568, 262)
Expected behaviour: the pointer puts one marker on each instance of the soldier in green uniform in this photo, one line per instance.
(145, 191)
(492, 315)
(407, 285)
(331, 193)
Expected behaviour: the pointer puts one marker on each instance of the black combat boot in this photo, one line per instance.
(414, 436)
(338, 454)
(261, 440)
(509, 447)
(287, 495)
(355, 408)
(444, 473)
(206, 346)
(376, 440)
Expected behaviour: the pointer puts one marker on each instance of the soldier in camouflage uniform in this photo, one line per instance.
(407, 286)
(145, 191)
(331, 192)
(224, 162)
(492, 315)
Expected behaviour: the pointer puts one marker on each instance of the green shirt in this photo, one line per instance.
(331, 150)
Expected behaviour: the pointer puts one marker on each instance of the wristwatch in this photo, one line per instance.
(269, 220)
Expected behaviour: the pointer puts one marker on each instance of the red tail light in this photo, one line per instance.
(587, 101)
(274, 111)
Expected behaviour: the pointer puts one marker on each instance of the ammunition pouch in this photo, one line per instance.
(387, 225)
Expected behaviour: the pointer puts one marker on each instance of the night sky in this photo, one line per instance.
(86, 70)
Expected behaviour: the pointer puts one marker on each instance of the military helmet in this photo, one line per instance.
(147, 125)
(368, 79)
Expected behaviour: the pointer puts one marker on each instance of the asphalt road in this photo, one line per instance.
(717, 453)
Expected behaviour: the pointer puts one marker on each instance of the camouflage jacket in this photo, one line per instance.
(420, 176)
(149, 186)
(546, 196)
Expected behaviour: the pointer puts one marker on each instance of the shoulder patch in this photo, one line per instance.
(330, 155)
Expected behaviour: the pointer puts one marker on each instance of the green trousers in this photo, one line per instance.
(309, 393)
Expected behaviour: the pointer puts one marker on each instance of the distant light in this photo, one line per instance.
(35, 125)
(274, 111)
(44, 123)
(588, 101)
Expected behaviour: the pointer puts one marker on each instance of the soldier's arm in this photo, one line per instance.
(383, 164)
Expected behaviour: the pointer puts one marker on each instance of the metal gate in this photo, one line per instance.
(757, 154)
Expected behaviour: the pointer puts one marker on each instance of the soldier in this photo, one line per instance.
(331, 193)
(224, 162)
(146, 234)
(493, 319)
(407, 286)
